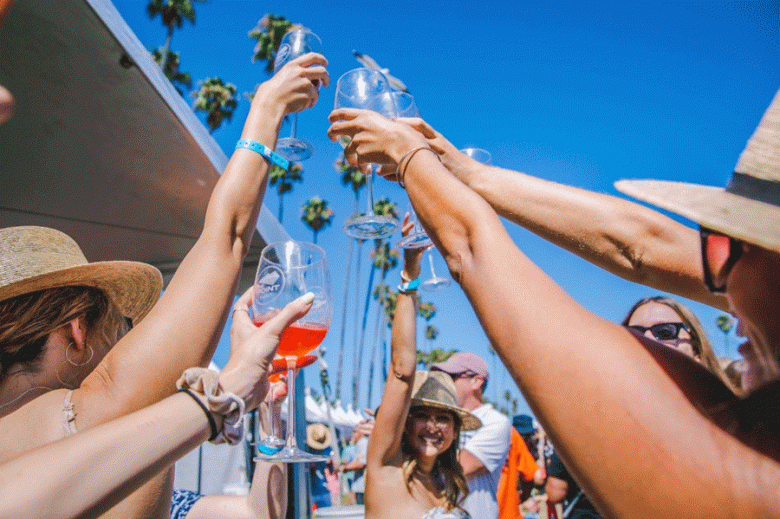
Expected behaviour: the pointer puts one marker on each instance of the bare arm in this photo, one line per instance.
(556, 489)
(183, 329)
(119, 456)
(623, 237)
(384, 448)
(713, 473)
(471, 464)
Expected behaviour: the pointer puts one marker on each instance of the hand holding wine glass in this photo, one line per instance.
(293, 271)
(294, 44)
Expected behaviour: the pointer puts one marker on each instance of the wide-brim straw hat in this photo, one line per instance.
(748, 208)
(39, 258)
(318, 436)
(436, 389)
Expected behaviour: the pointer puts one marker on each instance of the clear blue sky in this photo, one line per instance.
(578, 93)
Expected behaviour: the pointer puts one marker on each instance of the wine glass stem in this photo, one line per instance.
(294, 126)
(430, 261)
(370, 187)
(290, 440)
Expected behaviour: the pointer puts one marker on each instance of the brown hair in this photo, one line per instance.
(26, 322)
(699, 341)
(447, 469)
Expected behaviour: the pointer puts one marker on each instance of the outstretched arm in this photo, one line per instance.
(539, 332)
(623, 237)
(182, 330)
(384, 448)
(117, 457)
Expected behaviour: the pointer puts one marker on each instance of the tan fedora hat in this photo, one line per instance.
(748, 208)
(39, 258)
(436, 389)
(318, 436)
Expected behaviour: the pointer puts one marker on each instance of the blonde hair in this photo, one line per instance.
(446, 469)
(699, 341)
(26, 321)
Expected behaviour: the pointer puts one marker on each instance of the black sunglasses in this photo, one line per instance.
(462, 374)
(663, 331)
(719, 254)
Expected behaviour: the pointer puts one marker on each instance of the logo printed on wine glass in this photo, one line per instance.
(270, 282)
(282, 54)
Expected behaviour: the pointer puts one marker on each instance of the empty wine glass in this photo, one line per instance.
(355, 89)
(478, 154)
(435, 282)
(294, 44)
(288, 270)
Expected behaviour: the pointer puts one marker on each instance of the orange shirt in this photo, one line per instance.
(519, 461)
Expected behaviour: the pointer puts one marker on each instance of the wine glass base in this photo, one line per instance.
(292, 455)
(435, 284)
(293, 149)
(415, 241)
(370, 226)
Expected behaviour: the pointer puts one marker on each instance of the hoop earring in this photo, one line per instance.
(67, 356)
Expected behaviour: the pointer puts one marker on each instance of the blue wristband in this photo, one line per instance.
(269, 154)
(409, 286)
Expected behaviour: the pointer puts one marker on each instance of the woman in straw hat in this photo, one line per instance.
(412, 468)
(689, 466)
(67, 361)
(116, 457)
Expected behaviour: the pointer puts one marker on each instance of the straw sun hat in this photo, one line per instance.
(318, 436)
(748, 208)
(39, 258)
(436, 389)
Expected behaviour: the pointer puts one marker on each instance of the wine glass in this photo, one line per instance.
(288, 270)
(272, 443)
(355, 89)
(478, 154)
(294, 44)
(435, 282)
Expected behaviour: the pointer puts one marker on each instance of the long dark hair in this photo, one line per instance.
(446, 469)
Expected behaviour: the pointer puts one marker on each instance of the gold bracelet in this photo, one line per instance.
(401, 172)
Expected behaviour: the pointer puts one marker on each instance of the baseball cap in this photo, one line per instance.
(461, 362)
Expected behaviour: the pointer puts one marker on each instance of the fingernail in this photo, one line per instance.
(306, 298)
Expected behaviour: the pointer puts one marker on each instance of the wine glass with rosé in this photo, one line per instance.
(273, 441)
(287, 271)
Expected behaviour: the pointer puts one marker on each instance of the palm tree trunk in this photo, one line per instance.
(343, 332)
(358, 367)
(281, 207)
(355, 348)
(379, 311)
(166, 48)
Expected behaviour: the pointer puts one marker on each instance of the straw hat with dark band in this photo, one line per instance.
(748, 208)
(39, 258)
(436, 389)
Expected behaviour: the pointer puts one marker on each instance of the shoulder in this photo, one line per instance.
(45, 412)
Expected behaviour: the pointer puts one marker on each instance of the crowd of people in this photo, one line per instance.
(101, 375)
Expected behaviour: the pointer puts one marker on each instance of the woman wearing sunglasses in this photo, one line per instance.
(674, 325)
(625, 461)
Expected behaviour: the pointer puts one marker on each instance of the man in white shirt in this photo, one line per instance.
(483, 452)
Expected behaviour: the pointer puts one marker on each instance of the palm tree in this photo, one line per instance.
(316, 215)
(283, 180)
(725, 324)
(173, 14)
(436, 355)
(171, 70)
(386, 208)
(268, 32)
(353, 177)
(217, 99)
